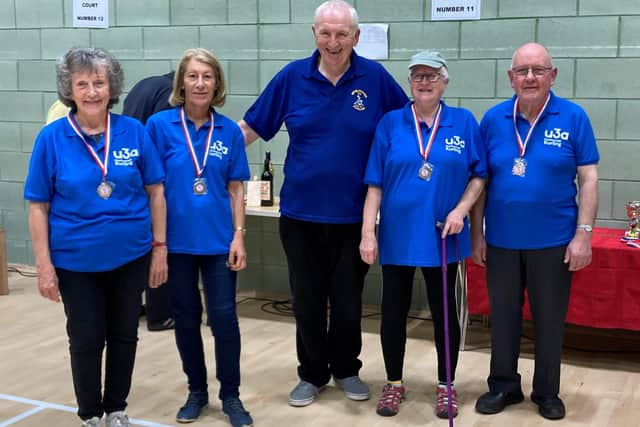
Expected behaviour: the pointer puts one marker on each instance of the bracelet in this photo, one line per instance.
(241, 229)
(156, 244)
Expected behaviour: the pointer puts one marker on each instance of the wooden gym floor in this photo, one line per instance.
(600, 387)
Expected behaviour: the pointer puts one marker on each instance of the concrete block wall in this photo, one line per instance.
(595, 44)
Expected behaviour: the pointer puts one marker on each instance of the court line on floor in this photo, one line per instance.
(40, 406)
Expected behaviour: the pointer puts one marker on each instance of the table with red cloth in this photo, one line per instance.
(605, 294)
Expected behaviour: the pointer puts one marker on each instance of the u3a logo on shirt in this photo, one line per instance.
(454, 144)
(555, 137)
(125, 156)
(218, 149)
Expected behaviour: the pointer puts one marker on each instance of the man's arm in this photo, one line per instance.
(578, 253)
(476, 217)
(248, 133)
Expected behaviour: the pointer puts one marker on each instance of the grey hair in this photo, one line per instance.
(337, 4)
(88, 59)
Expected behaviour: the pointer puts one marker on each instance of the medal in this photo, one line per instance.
(426, 170)
(519, 163)
(199, 186)
(105, 189)
(519, 166)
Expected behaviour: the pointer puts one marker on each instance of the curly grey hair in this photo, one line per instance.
(79, 59)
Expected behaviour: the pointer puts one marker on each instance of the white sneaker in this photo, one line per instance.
(117, 419)
(91, 422)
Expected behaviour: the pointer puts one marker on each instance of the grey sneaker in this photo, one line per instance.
(91, 422)
(354, 388)
(303, 394)
(117, 419)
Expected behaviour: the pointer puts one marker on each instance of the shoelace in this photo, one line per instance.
(391, 396)
(122, 421)
(234, 406)
(443, 398)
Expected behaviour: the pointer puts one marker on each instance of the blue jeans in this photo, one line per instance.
(219, 284)
(102, 309)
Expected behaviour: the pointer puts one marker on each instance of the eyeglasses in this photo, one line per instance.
(523, 72)
(430, 77)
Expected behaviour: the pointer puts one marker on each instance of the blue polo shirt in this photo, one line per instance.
(86, 232)
(330, 133)
(538, 210)
(199, 224)
(411, 206)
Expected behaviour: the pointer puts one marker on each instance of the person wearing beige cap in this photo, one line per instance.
(424, 167)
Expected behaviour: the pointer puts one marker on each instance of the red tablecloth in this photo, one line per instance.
(606, 294)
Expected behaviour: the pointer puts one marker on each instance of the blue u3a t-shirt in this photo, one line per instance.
(86, 232)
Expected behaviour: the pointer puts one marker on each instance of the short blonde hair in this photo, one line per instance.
(206, 57)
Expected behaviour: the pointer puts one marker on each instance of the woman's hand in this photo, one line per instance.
(368, 247)
(48, 282)
(159, 271)
(237, 254)
(454, 223)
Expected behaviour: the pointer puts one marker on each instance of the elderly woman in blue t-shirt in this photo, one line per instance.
(423, 169)
(97, 221)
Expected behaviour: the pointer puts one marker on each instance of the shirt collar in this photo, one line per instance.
(354, 70)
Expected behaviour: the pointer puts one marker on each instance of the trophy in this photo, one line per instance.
(633, 211)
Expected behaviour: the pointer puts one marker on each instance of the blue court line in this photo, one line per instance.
(40, 405)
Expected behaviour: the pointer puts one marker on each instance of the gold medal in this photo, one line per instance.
(519, 167)
(104, 190)
(199, 186)
(425, 171)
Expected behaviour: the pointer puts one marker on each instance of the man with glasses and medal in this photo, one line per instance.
(424, 167)
(535, 234)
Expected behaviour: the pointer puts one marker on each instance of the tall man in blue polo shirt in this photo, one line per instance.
(536, 233)
(331, 103)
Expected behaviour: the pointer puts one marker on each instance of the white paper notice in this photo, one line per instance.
(253, 193)
(446, 10)
(373, 42)
(91, 14)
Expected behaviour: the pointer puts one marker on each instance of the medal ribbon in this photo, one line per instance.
(102, 164)
(523, 145)
(424, 152)
(187, 138)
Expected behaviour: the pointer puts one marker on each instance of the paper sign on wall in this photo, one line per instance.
(91, 13)
(446, 10)
(373, 42)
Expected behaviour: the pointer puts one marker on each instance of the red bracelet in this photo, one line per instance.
(155, 244)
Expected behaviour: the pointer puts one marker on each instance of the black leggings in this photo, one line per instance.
(396, 300)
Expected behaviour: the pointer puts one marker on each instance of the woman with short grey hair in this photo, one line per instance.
(97, 221)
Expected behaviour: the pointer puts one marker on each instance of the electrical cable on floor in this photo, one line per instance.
(22, 272)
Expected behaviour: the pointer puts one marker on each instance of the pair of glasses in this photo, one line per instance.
(523, 72)
(430, 77)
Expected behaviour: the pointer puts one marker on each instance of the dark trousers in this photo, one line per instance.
(103, 308)
(219, 285)
(397, 287)
(325, 267)
(548, 281)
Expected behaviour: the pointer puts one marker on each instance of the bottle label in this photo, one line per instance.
(265, 190)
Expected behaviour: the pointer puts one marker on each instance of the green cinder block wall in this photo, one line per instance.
(595, 44)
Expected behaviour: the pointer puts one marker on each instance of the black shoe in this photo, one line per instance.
(492, 403)
(550, 407)
(162, 326)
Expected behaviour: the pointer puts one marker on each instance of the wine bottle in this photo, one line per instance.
(266, 189)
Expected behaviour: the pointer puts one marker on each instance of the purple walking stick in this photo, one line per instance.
(447, 349)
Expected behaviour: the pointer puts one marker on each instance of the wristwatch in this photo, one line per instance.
(586, 227)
